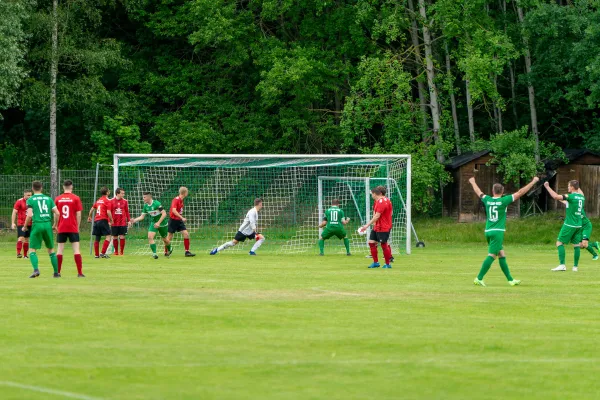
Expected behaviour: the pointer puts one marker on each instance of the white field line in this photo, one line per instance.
(48, 391)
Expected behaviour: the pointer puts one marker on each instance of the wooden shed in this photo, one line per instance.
(584, 166)
(459, 199)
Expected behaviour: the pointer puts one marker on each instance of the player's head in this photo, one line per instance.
(37, 186)
(147, 197)
(498, 189)
(68, 186)
(26, 194)
(335, 202)
(258, 203)
(378, 192)
(104, 191)
(119, 193)
(183, 192)
(573, 186)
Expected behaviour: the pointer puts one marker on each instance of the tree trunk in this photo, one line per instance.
(470, 112)
(414, 35)
(534, 122)
(452, 100)
(433, 97)
(513, 94)
(497, 109)
(53, 74)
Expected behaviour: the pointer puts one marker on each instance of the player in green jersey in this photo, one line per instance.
(586, 232)
(39, 211)
(158, 223)
(334, 222)
(571, 231)
(495, 210)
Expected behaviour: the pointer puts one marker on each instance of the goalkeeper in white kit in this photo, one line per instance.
(247, 231)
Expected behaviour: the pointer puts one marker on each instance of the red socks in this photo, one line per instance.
(116, 246)
(373, 247)
(25, 249)
(122, 245)
(186, 244)
(97, 249)
(60, 258)
(105, 246)
(78, 262)
(19, 247)
(387, 252)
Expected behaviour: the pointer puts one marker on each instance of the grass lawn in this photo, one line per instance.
(301, 327)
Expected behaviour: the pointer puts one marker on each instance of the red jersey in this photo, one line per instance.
(383, 206)
(102, 205)
(177, 204)
(68, 205)
(21, 207)
(120, 212)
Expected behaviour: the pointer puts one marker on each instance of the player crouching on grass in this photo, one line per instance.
(102, 222)
(382, 218)
(571, 231)
(70, 207)
(177, 221)
(334, 222)
(19, 214)
(247, 231)
(40, 209)
(158, 223)
(495, 226)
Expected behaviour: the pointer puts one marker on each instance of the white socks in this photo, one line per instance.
(257, 245)
(225, 246)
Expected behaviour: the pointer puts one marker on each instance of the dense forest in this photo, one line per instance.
(433, 78)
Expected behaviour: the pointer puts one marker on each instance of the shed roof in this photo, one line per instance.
(465, 158)
(572, 155)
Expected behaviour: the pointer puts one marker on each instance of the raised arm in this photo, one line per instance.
(525, 189)
(478, 191)
(553, 194)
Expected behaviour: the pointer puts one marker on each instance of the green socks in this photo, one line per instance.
(561, 254)
(170, 248)
(321, 246)
(54, 261)
(347, 244)
(577, 252)
(34, 260)
(153, 248)
(504, 267)
(591, 250)
(485, 267)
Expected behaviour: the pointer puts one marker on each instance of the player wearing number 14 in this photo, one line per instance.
(70, 207)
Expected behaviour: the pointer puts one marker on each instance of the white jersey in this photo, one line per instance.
(248, 227)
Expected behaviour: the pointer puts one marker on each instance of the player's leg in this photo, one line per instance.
(344, 237)
(576, 241)
(493, 251)
(61, 238)
(26, 243)
(505, 269)
(325, 235)
(259, 241)
(373, 247)
(122, 243)
(20, 240)
(106, 243)
(564, 236)
(48, 238)
(186, 243)
(151, 242)
(114, 237)
(239, 237)
(77, 254)
(164, 235)
(36, 244)
(385, 246)
(585, 241)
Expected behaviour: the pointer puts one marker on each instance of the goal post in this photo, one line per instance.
(296, 190)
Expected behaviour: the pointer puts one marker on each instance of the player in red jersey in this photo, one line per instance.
(177, 221)
(382, 218)
(20, 213)
(120, 213)
(102, 222)
(70, 207)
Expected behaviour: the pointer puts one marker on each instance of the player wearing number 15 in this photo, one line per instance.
(39, 210)
(70, 207)
(334, 222)
(495, 226)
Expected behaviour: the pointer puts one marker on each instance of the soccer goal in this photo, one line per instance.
(296, 190)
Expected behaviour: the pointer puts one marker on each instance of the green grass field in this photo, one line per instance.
(301, 327)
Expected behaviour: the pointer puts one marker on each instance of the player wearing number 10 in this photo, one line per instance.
(70, 207)
(495, 209)
(334, 222)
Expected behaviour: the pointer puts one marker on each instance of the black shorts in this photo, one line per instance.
(62, 237)
(176, 225)
(240, 237)
(101, 228)
(381, 237)
(20, 232)
(118, 230)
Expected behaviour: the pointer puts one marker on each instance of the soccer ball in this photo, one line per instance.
(361, 232)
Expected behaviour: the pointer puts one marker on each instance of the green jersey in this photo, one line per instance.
(575, 209)
(42, 206)
(334, 217)
(495, 210)
(154, 211)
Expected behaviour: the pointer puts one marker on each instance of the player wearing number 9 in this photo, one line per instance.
(70, 207)
(495, 209)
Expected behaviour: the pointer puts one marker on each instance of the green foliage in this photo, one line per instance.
(115, 137)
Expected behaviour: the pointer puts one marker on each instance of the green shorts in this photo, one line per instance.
(163, 230)
(495, 241)
(41, 232)
(330, 232)
(570, 235)
(586, 230)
